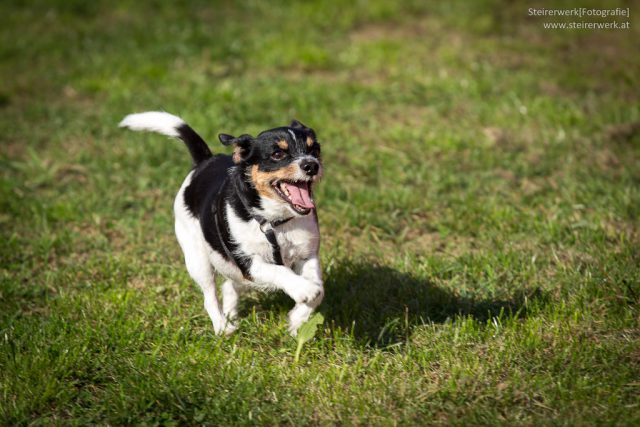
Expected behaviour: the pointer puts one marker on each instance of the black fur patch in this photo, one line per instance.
(215, 227)
(205, 183)
(244, 194)
(216, 182)
(196, 145)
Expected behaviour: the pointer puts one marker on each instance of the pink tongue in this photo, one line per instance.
(299, 195)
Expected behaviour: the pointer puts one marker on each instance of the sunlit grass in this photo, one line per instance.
(479, 215)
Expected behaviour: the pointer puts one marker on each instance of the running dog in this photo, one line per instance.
(249, 216)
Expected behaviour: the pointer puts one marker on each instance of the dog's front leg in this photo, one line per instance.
(301, 289)
(304, 288)
(309, 269)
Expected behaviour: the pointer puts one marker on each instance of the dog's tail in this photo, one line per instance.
(170, 125)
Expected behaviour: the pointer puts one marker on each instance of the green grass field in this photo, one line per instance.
(479, 212)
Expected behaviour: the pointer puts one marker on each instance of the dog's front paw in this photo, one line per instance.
(230, 328)
(224, 327)
(297, 316)
(306, 292)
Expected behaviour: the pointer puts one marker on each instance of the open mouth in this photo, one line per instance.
(297, 194)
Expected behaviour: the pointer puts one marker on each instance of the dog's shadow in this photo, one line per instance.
(380, 306)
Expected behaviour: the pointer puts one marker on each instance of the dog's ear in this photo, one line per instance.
(297, 125)
(226, 139)
(242, 145)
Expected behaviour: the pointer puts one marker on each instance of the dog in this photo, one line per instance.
(249, 216)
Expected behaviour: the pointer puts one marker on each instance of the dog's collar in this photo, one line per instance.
(267, 229)
(266, 226)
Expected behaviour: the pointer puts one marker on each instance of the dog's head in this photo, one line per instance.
(282, 164)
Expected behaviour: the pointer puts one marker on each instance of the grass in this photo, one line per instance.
(479, 214)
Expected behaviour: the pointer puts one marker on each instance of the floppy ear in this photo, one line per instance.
(297, 125)
(242, 145)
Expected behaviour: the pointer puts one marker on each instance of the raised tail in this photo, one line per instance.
(170, 125)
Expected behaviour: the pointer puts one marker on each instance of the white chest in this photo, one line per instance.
(298, 238)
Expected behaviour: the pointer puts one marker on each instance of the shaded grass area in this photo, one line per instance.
(479, 214)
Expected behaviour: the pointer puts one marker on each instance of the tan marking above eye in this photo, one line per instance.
(284, 145)
(309, 141)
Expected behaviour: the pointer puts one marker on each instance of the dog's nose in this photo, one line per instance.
(310, 167)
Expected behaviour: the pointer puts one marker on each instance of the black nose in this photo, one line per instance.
(310, 167)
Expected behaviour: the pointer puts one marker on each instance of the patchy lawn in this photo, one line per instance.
(479, 214)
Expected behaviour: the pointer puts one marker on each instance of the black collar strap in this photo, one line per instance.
(265, 226)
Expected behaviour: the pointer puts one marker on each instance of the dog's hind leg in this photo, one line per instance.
(200, 270)
(208, 287)
(195, 250)
(230, 296)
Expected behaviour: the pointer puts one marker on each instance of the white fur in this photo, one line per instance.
(195, 248)
(298, 238)
(153, 121)
(299, 243)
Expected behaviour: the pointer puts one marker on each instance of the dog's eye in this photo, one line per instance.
(278, 155)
